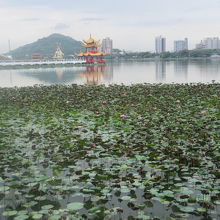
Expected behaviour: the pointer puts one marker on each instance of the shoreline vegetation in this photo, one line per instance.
(197, 53)
(145, 151)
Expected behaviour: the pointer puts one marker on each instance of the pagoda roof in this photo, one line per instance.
(90, 41)
(91, 45)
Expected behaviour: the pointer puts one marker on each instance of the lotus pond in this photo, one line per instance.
(118, 152)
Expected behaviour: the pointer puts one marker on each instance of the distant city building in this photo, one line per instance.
(107, 45)
(180, 45)
(160, 44)
(216, 43)
(200, 46)
(209, 43)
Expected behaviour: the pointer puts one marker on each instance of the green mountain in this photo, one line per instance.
(47, 46)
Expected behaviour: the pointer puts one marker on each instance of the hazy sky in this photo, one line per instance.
(132, 24)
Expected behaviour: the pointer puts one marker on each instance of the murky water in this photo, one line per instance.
(184, 71)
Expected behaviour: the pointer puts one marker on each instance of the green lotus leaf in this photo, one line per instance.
(54, 217)
(201, 210)
(9, 213)
(40, 198)
(37, 216)
(191, 200)
(75, 206)
(4, 188)
(186, 208)
(141, 215)
(125, 190)
(94, 210)
(88, 191)
(21, 217)
(47, 207)
(217, 202)
(125, 197)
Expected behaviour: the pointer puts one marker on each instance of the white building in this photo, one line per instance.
(209, 43)
(200, 46)
(107, 45)
(216, 43)
(160, 44)
(181, 45)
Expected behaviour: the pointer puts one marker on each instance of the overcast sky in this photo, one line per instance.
(132, 24)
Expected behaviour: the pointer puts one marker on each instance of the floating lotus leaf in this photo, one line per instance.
(9, 213)
(125, 197)
(54, 217)
(47, 207)
(186, 208)
(217, 202)
(94, 210)
(201, 210)
(75, 206)
(4, 188)
(21, 217)
(37, 216)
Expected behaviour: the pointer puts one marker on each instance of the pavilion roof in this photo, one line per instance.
(91, 45)
(90, 41)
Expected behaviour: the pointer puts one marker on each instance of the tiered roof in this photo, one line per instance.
(90, 43)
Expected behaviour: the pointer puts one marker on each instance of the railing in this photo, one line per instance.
(38, 62)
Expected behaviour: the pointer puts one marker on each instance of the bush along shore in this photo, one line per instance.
(117, 152)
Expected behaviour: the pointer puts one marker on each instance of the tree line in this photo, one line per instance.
(165, 55)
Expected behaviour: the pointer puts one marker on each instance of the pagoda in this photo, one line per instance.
(58, 55)
(92, 55)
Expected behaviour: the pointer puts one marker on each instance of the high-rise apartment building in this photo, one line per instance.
(216, 43)
(209, 43)
(180, 45)
(160, 44)
(200, 46)
(107, 45)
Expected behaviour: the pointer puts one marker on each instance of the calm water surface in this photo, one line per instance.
(184, 71)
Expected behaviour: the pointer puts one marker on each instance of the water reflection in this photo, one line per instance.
(160, 71)
(84, 75)
(59, 73)
(52, 75)
(209, 68)
(97, 74)
(181, 71)
(108, 73)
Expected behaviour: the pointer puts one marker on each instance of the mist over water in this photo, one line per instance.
(182, 71)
